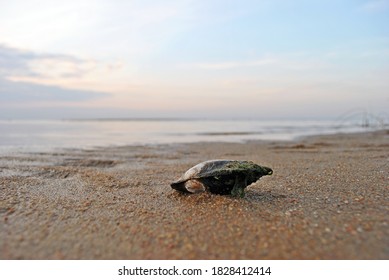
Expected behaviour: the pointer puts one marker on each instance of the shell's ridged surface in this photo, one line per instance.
(219, 176)
(204, 169)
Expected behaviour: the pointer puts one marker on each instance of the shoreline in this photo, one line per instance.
(327, 199)
(12, 150)
(54, 135)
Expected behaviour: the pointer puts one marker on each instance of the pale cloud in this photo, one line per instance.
(60, 67)
(18, 62)
(375, 5)
(22, 73)
(14, 61)
(298, 62)
(235, 64)
(61, 70)
(21, 93)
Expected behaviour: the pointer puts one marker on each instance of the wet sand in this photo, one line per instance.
(327, 199)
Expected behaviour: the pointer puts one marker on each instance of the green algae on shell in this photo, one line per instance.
(221, 177)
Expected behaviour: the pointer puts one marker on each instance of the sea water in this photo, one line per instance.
(38, 135)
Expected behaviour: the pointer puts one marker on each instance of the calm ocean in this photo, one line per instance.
(33, 135)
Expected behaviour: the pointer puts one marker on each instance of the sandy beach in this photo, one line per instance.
(327, 199)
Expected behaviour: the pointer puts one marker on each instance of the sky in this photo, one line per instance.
(256, 59)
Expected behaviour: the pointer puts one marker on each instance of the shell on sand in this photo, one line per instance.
(220, 177)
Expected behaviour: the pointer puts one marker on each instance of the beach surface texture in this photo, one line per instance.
(327, 199)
